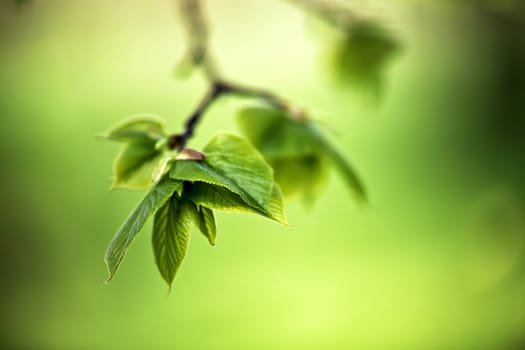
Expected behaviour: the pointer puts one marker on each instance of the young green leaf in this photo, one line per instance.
(206, 222)
(231, 163)
(218, 198)
(134, 166)
(143, 137)
(127, 232)
(137, 128)
(171, 232)
(221, 198)
(236, 159)
(276, 205)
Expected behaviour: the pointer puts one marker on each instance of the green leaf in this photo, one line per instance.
(217, 197)
(221, 198)
(191, 170)
(137, 128)
(197, 171)
(349, 174)
(276, 205)
(127, 232)
(231, 163)
(361, 56)
(275, 134)
(352, 179)
(304, 175)
(134, 166)
(171, 232)
(206, 222)
(258, 123)
(239, 161)
(297, 151)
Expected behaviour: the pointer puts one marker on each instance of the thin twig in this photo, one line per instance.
(178, 141)
(253, 92)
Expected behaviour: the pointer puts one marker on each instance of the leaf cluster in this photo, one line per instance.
(297, 151)
(229, 175)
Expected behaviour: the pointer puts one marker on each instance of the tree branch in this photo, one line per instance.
(197, 30)
(178, 141)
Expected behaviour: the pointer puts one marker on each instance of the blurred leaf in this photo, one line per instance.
(304, 175)
(274, 133)
(346, 170)
(134, 166)
(234, 164)
(206, 222)
(185, 67)
(361, 55)
(171, 231)
(257, 123)
(137, 128)
(296, 149)
(155, 198)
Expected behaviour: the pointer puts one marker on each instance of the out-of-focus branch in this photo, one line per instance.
(199, 53)
(196, 26)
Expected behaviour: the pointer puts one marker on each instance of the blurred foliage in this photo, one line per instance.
(360, 57)
(133, 168)
(297, 151)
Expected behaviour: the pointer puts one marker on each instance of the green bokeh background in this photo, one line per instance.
(437, 261)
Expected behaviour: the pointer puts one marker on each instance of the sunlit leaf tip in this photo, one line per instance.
(205, 221)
